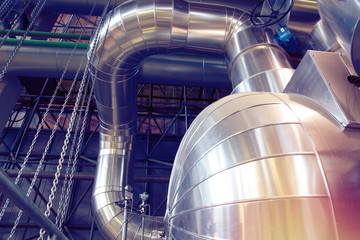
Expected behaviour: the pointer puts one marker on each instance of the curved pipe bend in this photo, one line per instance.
(135, 30)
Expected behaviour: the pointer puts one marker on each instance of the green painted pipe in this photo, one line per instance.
(46, 34)
(11, 41)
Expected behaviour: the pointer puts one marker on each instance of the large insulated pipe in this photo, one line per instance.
(303, 15)
(343, 17)
(251, 166)
(137, 29)
(84, 6)
(302, 19)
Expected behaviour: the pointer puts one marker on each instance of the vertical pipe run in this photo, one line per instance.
(186, 110)
(124, 227)
(10, 90)
(142, 226)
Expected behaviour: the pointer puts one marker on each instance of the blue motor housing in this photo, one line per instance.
(286, 39)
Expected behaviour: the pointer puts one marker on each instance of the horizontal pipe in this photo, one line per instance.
(83, 7)
(46, 34)
(88, 176)
(32, 225)
(32, 61)
(302, 18)
(80, 7)
(40, 43)
(152, 179)
(189, 70)
(13, 192)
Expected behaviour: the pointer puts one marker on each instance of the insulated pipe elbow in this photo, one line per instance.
(133, 31)
(110, 193)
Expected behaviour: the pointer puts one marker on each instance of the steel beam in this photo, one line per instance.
(87, 176)
(19, 198)
(10, 89)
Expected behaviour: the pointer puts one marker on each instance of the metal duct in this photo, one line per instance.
(137, 29)
(186, 70)
(85, 6)
(256, 63)
(81, 7)
(13, 192)
(322, 38)
(343, 17)
(42, 61)
(302, 18)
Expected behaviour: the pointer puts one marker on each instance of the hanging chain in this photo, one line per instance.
(62, 206)
(50, 138)
(14, 24)
(64, 148)
(77, 128)
(82, 133)
(4, 6)
(39, 129)
(66, 141)
(40, 126)
(8, 12)
(47, 147)
(35, 13)
(80, 139)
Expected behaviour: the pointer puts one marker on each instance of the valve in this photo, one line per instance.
(143, 206)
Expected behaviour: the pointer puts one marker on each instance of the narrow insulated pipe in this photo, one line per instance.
(133, 31)
(256, 62)
(45, 34)
(41, 43)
